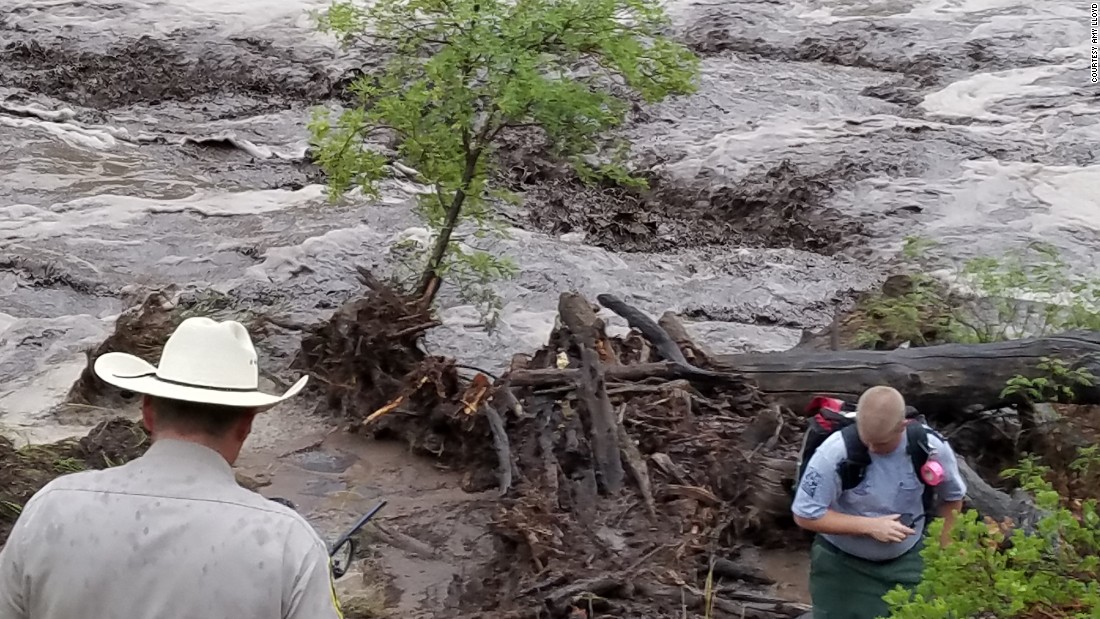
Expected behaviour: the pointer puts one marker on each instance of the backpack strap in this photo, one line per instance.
(919, 450)
(854, 466)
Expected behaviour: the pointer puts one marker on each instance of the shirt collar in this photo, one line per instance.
(190, 456)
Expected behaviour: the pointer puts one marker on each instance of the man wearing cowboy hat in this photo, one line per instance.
(171, 535)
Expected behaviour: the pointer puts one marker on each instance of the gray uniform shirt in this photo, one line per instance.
(170, 535)
(890, 486)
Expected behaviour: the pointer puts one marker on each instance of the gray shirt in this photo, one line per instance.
(890, 486)
(168, 535)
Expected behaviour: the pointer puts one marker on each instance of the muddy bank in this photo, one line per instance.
(148, 70)
(780, 207)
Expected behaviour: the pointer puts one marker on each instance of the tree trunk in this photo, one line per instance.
(430, 280)
(948, 381)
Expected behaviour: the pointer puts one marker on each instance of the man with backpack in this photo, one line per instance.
(869, 483)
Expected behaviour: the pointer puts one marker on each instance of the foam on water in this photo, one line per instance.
(39, 361)
(26, 222)
(71, 134)
(970, 98)
(160, 17)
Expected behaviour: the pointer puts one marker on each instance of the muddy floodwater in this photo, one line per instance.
(148, 143)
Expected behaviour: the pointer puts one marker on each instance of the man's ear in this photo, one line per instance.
(148, 416)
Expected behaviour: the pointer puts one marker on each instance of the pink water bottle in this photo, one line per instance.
(932, 473)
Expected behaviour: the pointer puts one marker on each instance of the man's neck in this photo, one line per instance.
(219, 446)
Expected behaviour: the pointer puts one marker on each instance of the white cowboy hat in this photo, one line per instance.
(203, 361)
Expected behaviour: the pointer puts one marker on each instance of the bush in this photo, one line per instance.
(1020, 294)
(986, 572)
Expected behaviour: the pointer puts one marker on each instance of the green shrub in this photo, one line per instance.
(1031, 292)
(1050, 573)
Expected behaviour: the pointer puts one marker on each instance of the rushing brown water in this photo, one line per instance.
(155, 142)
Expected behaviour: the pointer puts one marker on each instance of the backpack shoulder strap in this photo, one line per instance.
(917, 444)
(919, 450)
(854, 466)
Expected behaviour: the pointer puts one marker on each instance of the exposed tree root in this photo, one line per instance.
(605, 481)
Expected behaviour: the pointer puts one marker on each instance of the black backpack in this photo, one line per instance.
(834, 415)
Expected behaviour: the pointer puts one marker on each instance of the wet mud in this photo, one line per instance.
(152, 71)
(780, 207)
(867, 41)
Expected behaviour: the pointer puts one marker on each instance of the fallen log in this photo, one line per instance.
(1019, 508)
(666, 347)
(500, 443)
(548, 377)
(950, 381)
(696, 354)
(716, 606)
(947, 382)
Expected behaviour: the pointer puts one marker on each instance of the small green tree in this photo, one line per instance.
(460, 73)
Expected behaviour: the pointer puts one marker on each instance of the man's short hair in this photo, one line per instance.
(197, 417)
(880, 413)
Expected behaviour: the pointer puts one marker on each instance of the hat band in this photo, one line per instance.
(196, 386)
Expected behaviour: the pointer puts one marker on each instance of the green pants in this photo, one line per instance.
(846, 587)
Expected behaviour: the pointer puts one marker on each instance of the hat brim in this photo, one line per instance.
(132, 373)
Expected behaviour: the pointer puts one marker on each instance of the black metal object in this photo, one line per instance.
(348, 538)
(282, 501)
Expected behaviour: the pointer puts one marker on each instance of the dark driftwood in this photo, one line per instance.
(696, 354)
(605, 436)
(585, 328)
(757, 608)
(638, 469)
(549, 460)
(585, 331)
(626, 373)
(500, 443)
(666, 347)
(560, 600)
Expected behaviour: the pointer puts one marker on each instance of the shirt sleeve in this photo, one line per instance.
(313, 595)
(953, 487)
(13, 603)
(820, 485)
